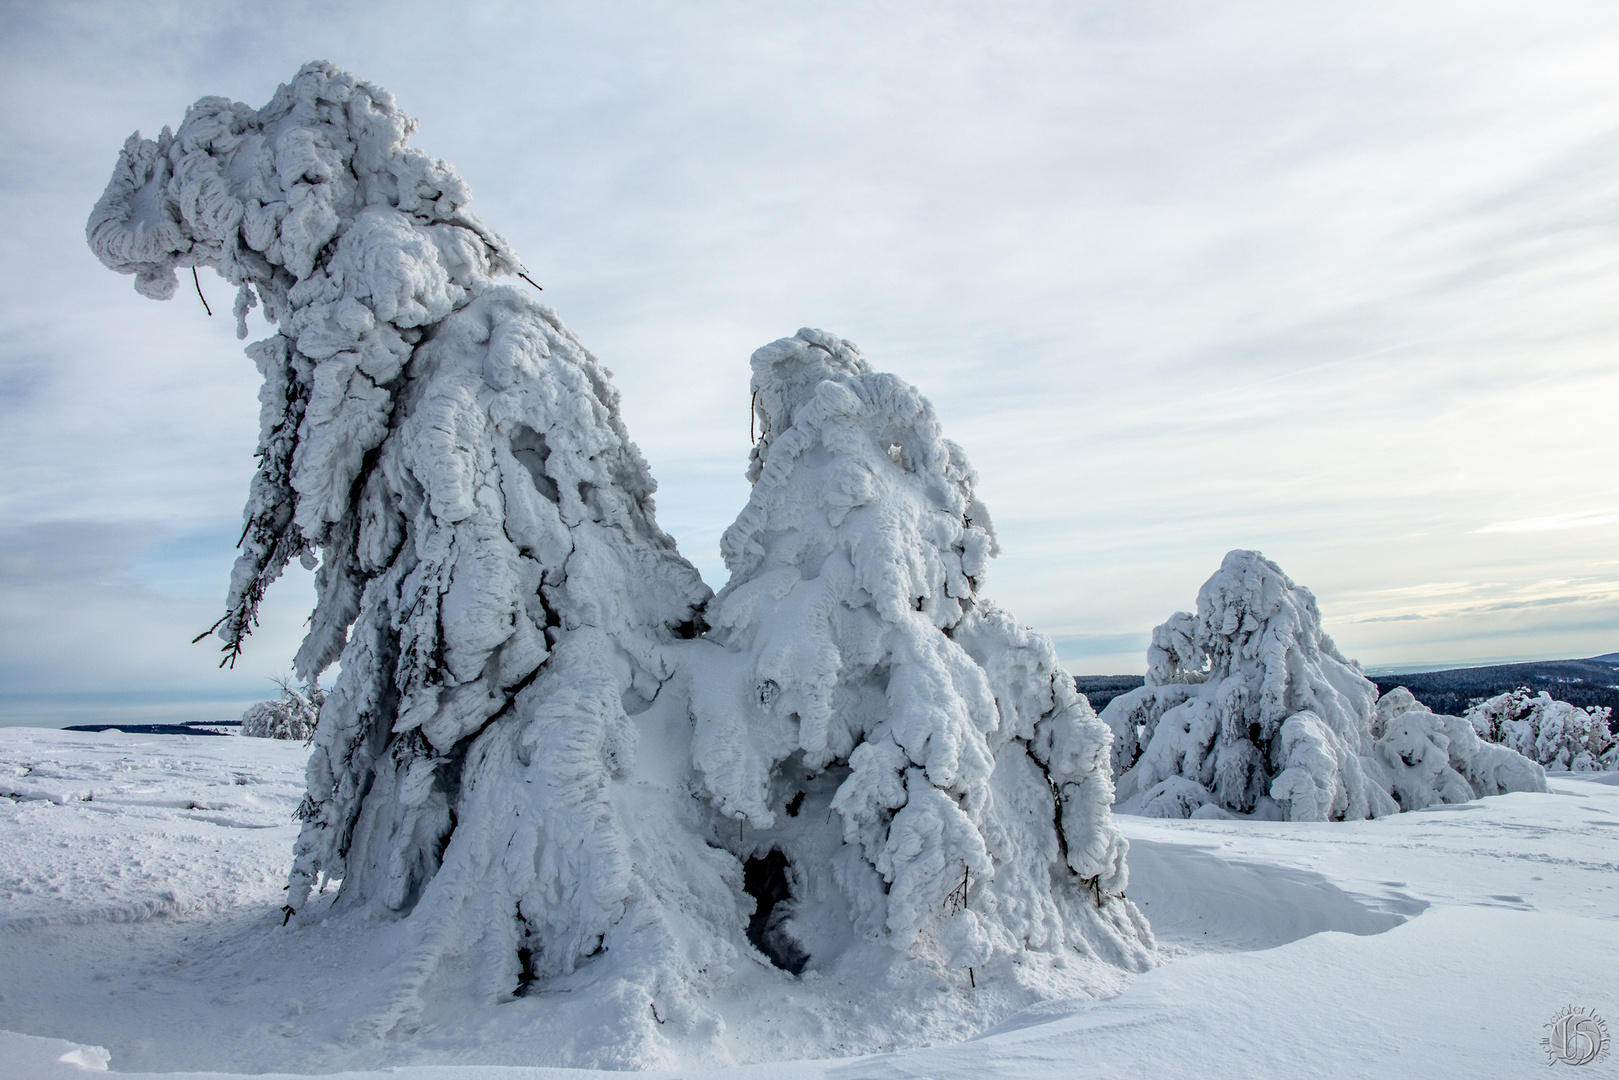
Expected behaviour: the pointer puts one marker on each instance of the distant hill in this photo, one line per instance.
(1101, 689)
(1585, 683)
(194, 727)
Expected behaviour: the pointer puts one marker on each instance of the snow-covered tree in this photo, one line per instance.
(1431, 758)
(290, 716)
(491, 573)
(1554, 733)
(854, 672)
(525, 756)
(1249, 708)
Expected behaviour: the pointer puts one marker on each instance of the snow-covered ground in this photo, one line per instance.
(141, 886)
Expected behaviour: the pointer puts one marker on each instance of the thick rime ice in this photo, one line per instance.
(1554, 733)
(525, 756)
(1249, 708)
(858, 704)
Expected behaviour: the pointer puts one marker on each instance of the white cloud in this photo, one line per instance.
(1583, 519)
(1335, 283)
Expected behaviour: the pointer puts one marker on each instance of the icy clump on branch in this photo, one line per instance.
(854, 673)
(291, 716)
(1249, 708)
(1555, 733)
(491, 574)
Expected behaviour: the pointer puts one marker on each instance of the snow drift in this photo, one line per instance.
(1249, 708)
(526, 756)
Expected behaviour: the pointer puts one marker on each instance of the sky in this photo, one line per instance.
(1336, 282)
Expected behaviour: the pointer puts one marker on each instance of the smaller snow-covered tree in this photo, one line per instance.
(1555, 733)
(915, 759)
(1430, 758)
(1249, 708)
(291, 716)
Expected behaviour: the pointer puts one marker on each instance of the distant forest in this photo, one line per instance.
(1584, 683)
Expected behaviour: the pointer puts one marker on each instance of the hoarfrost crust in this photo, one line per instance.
(351, 241)
(1250, 708)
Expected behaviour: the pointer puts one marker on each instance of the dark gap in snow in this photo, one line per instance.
(525, 974)
(529, 448)
(766, 880)
(794, 804)
(694, 627)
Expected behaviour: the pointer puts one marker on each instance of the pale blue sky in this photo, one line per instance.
(1338, 283)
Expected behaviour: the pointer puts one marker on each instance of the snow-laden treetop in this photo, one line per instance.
(353, 241)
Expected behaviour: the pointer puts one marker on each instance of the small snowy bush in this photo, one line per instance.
(291, 716)
(1554, 733)
(1249, 708)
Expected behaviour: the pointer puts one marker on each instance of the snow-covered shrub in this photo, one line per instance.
(525, 756)
(1250, 708)
(290, 716)
(1554, 733)
(1460, 766)
(854, 672)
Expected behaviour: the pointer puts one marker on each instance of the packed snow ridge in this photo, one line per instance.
(551, 753)
(1250, 709)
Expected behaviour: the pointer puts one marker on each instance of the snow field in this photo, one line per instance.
(1434, 943)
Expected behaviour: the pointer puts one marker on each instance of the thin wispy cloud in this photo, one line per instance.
(1582, 519)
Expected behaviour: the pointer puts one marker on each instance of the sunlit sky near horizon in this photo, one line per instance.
(1339, 283)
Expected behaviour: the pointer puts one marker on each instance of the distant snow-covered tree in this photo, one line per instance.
(1554, 733)
(1431, 758)
(290, 716)
(860, 704)
(1249, 708)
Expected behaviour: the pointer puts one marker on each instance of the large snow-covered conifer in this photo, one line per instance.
(1250, 708)
(491, 574)
(854, 672)
(530, 760)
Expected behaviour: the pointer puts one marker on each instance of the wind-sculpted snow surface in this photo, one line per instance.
(1249, 708)
(526, 765)
(854, 672)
